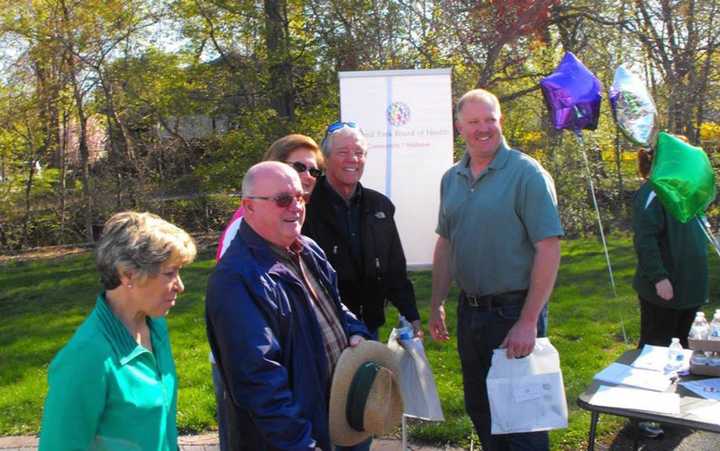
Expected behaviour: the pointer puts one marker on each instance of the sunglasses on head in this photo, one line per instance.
(339, 125)
(302, 167)
(283, 200)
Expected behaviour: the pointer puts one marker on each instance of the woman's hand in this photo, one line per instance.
(664, 289)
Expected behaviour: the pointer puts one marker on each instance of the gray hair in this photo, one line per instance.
(478, 95)
(248, 182)
(140, 243)
(327, 143)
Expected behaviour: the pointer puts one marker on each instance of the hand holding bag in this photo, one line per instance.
(416, 379)
(527, 395)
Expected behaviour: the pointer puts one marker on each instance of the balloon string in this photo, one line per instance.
(709, 235)
(581, 141)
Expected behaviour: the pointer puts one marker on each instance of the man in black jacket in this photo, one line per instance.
(354, 225)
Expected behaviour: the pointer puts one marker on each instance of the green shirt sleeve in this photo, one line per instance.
(442, 226)
(537, 206)
(76, 398)
(648, 226)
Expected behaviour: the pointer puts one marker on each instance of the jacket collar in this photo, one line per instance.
(125, 347)
(334, 197)
(270, 261)
(327, 194)
(264, 254)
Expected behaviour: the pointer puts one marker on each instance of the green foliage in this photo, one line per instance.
(189, 93)
(200, 213)
(237, 150)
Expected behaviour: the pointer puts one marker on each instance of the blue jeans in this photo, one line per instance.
(480, 331)
(220, 409)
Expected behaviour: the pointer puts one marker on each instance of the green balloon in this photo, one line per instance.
(682, 177)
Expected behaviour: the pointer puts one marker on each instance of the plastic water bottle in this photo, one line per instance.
(404, 329)
(700, 328)
(715, 327)
(699, 358)
(675, 355)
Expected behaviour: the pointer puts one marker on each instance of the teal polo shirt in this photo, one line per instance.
(492, 222)
(106, 392)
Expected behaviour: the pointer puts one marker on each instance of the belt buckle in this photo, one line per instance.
(479, 302)
(472, 301)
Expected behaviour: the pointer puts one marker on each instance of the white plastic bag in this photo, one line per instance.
(527, 395)
(416, 379)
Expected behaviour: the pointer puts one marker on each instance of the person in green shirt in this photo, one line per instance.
(113, 386)
(671, 277)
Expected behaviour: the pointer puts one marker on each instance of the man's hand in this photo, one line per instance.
(664, 289)
(438, 330)
(355, 340)
(417, 329)
(520, 341)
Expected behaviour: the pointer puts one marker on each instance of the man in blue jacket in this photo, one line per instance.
(275, 321)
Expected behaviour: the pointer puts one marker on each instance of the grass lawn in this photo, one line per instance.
(42, 302)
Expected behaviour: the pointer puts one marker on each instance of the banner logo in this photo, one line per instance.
(398, 113)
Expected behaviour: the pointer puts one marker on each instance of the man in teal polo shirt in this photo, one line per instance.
(499, 239)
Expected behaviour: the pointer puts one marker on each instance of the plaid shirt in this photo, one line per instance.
(333, 334)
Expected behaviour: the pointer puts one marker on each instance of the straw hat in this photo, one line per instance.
(365, 397)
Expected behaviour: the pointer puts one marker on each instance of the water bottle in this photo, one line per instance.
(699, 358)
(404, 329)
(700, 328)
(675, 355)
(714, 359)
(715, 327)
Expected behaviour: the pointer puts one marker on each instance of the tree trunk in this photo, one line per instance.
(282, 93)
(618, 167)
(62, 187)
(28, 190)
(84, 159)
(115, 119)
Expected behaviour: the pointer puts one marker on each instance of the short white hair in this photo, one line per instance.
(478, 95)
(327, 144)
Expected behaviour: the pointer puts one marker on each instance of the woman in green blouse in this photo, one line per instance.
(113, 386)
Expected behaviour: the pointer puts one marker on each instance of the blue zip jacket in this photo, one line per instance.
(269, 347)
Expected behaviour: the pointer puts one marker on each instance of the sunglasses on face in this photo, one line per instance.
(283, 200)
(302, 167)
(339, 125)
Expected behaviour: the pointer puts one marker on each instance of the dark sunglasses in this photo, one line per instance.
(339, 125)
(283, 200)
(302, 167)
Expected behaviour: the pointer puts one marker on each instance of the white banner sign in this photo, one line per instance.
(407, 118)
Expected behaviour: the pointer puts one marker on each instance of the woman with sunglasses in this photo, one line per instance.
(299, 151)
(304, 155)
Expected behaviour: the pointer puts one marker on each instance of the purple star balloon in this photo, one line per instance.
(572, 94)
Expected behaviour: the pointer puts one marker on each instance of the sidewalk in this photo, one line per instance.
(209, 442)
